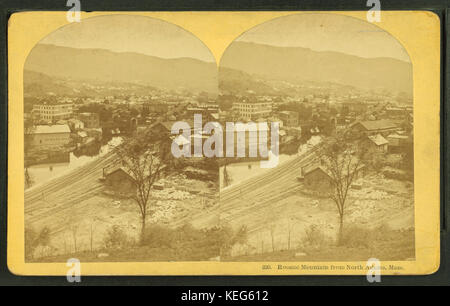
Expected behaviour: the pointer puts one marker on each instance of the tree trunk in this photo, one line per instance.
(143, 228)
(289, 240)
(273, 243)
(341, 229)
(28, 181)
(75, 243)
(92, 239)
(226, 177)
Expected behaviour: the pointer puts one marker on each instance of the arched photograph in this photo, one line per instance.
(341, 89)
(101, 184)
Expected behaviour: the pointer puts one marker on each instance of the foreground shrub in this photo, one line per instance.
(361, 237)
(377, 162)
(190, 243)
(158, 236)
(315, 238)
(396, 174)
(116, 238)
(30, 242)
(35, 239)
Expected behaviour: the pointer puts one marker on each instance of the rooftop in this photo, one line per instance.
(56, 103)
(313, 167)
(378, 139)
(52, 129)
(397, 136)
(289, 113)
(378, 125)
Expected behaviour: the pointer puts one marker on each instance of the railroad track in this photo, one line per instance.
(66, 191)
(256, 196)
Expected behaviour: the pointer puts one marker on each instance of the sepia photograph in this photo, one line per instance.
(224, 143)
(342, 90)
(101, 183)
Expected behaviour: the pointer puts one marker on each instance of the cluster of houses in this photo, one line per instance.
(386, 127)
(58, 123)
(379, 136)
(383, 135)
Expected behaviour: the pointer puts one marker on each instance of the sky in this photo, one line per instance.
(151, 36)
(122, 33)
(327, 32)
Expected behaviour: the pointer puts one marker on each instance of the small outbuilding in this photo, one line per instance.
(378, 143)
(317, 177)
(119, 179)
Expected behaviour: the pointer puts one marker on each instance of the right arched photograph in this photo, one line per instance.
(342, 189)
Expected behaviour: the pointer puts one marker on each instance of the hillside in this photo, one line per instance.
(38, 84)
(236, 81)
(232, 81)
(107, 66)
(296, 65)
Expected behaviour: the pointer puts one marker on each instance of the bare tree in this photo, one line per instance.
(342, 160)
(74, 231)
(272, 228)
(43, 240)
(260, 238)
(29, 129)
(227, 180)
(291, 223)
(91, 236)
(65, 243)
(272, 217)
(28, 178)
(145, 158)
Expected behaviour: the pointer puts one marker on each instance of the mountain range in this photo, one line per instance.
(244, 66)
(297, 65)
(122, 67)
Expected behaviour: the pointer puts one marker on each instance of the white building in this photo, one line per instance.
(53, 112)
(253, 110)
(45, 136)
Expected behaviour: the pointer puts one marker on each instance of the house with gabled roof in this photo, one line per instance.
(319, 178)
(46, 136)
(119, 179)
(377, 143)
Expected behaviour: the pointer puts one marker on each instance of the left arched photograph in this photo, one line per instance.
(101, 98)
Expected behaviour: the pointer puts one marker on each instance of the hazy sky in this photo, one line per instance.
(125, 33)
(320, 32)
(327, 32)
